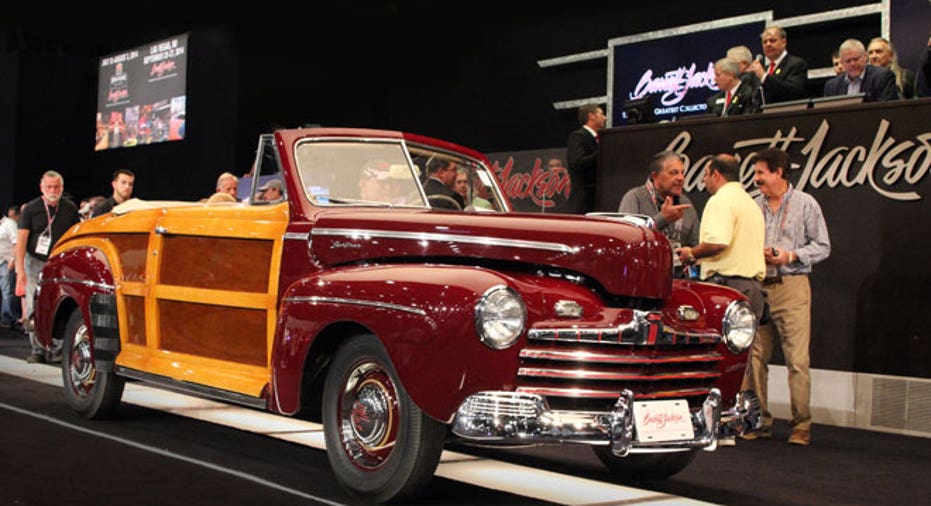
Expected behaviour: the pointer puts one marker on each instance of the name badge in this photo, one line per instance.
(674, 245)
(719, 101)
(44, 244)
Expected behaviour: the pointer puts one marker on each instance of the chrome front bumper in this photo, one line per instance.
(510, 418)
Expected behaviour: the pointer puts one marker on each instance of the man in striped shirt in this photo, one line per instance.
(796, 239)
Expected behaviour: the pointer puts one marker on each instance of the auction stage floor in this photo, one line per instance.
(169, 448)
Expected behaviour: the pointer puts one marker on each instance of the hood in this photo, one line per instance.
(626, 260)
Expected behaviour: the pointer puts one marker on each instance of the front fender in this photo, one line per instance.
(73, 274)
(424, 316)
(711, 301)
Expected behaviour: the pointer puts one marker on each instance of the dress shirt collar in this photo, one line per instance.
(778, 60)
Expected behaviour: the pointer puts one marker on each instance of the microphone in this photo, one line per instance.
(759, 58)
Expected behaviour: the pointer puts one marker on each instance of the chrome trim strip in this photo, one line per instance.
(72, 281)
(358, 302)
(354, 233)
(296, 236)
(192, 388)
(582, 374)
(590, 393)
(608, 358)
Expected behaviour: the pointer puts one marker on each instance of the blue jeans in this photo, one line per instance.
(11, 310)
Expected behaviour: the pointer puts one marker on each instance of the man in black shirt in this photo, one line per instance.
(43, 221)
(123, 180)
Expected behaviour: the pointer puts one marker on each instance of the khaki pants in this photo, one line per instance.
(790, 311)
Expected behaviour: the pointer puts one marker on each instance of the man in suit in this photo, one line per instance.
(881, 53)
(441, 176)
(783, 75)
(734, 97)
(741, 54)
(876, 83)
(583, 158)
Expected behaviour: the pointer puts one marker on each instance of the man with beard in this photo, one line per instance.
(661, 197)
(43, 221)
(123, 181)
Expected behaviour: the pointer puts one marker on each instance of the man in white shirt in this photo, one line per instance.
(9, 313)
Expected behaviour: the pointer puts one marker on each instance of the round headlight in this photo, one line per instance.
(739, 326)
(500, 317)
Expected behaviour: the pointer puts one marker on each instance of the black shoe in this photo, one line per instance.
(36, 358)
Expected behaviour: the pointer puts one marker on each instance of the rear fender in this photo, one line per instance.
(423, 316)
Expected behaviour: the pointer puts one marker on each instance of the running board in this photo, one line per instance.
(195, 389)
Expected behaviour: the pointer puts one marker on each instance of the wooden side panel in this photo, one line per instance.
(135, 319)
(219, 332)
(132, 249)
(219, 263)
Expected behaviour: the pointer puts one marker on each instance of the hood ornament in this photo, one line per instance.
(568, 309)
(687, 313)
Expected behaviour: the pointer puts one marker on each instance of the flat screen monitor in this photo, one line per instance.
(789, 105)
(837, 101)
(639, 111)
(141, 95)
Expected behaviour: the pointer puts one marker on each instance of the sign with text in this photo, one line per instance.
(141, 95)
(535, 180)
(674, 68)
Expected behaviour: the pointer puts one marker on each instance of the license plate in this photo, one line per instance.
(658, 421)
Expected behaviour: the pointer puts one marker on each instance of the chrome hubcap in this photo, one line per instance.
(81, 363)
(368, 411)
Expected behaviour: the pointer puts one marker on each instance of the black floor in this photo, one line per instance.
(842, 466)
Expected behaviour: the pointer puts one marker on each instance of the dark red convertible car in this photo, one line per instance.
(355, 301)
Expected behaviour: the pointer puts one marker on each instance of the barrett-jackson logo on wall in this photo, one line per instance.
(891, 167)
(882, 148)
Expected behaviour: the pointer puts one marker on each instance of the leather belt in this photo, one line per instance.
(773, 280)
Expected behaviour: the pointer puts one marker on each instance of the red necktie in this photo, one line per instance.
(727, 101)
(772, 67)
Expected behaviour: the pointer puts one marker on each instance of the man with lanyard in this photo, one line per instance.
(43, 221)
(796, 238)
(731, 235)
(662, 199)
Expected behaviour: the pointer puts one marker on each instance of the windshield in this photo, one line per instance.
(384, 174)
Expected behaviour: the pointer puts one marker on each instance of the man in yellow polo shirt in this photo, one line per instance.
(731, 239)
(731, 234)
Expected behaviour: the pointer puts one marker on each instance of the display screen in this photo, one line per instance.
(141, 95)
(675, 71)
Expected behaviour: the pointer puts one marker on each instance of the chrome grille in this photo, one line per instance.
(587, 368)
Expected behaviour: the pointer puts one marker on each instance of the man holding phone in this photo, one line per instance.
(796, 239)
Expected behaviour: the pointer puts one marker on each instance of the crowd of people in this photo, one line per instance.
(746, 85)
(763, 247)
(27, 235)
